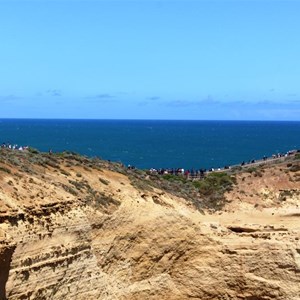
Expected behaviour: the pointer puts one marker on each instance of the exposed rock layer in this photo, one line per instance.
(70, 229)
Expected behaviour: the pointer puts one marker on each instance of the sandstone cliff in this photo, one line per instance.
(75, 228)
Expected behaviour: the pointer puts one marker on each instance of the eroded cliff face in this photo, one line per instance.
(71, 228)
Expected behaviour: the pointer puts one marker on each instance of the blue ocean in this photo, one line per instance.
(157, 144)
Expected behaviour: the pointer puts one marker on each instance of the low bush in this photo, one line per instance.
(69, 189)
(175, 178)
(251, 169)
(64, 172)
(4, 169)
(104, 181)
(103, 200)
(214, 182)
(33, 150)
(213, 188)
(79, 185)
(295, 168)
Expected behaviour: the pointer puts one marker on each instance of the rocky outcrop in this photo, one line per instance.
(70, 229)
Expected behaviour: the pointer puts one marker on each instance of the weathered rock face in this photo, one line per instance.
(70, 230)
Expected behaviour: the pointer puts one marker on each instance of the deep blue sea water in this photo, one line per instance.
(157, 144)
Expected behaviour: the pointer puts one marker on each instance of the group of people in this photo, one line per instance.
(274, 156)
(179, 171)
(199, 173)
(14, 146)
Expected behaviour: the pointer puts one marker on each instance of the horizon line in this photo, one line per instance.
(125, 119)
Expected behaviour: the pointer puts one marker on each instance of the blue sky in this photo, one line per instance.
(236, 60)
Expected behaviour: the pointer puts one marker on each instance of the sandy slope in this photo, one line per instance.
(82, 231)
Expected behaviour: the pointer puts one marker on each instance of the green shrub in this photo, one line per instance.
(69, 190)
(33, 150)
(80, 185)
(4, 169)
(171, 177)
(251, 169)
(295, 168)
(236, 168)
(103, 200)
(53, 164)
(257, 172)
(64, 172)
(214, 182)
(104, 181)
(213, 187)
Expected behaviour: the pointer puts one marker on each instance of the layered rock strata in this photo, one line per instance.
(72, 230)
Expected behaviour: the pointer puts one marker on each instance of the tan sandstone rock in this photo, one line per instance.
(75, 231)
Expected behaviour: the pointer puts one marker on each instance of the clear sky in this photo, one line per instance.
(216, 59)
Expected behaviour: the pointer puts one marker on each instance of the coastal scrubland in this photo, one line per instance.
(75, 227)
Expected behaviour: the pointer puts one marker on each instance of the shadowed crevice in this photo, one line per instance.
(5, 260)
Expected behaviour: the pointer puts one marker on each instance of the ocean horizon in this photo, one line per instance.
(149, 144)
